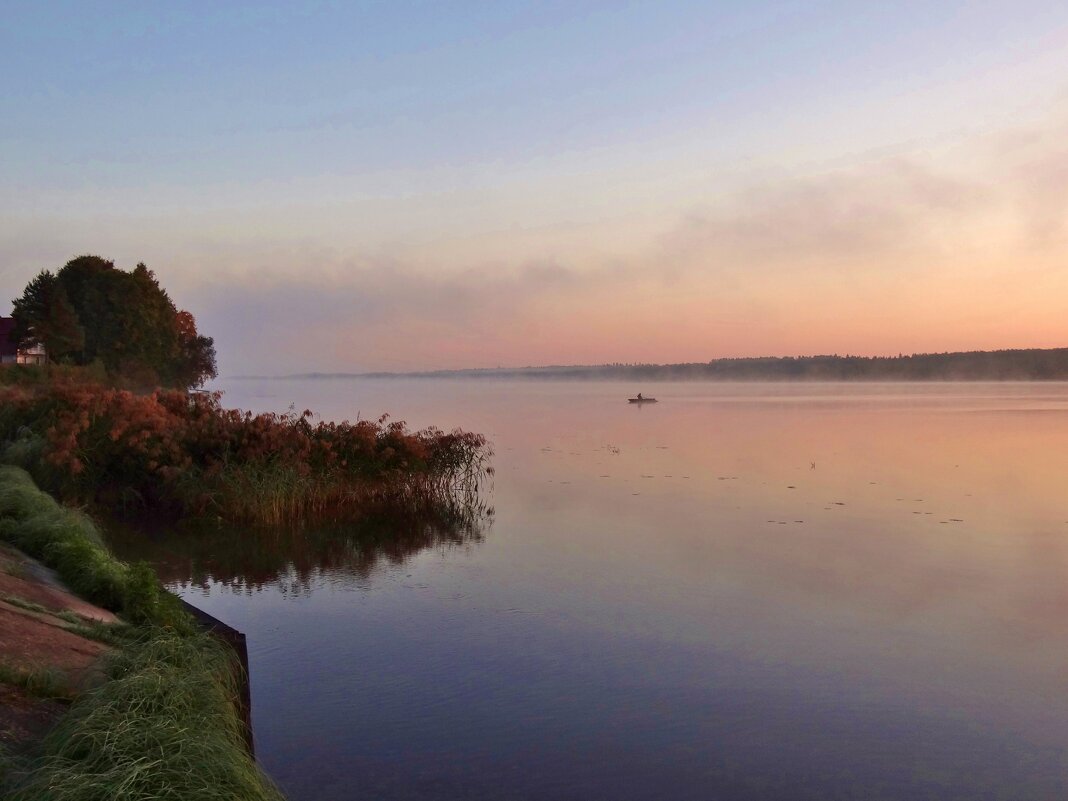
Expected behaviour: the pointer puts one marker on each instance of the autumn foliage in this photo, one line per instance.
(184, 454)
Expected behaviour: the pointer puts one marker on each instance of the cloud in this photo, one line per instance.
(860, 256)
(347, 317)
(1034, 168)
(842, 219)
(878, 221)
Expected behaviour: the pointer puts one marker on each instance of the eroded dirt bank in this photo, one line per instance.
(46, 658)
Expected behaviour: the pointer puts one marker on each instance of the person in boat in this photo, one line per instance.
(639, 396)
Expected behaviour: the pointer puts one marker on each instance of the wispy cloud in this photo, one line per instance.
(915, 249)
(795, 263)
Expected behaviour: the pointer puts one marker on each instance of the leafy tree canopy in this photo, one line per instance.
(92, 311)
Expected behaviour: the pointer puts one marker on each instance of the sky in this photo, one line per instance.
(405, 186)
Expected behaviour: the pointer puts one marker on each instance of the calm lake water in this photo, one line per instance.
(745, 591)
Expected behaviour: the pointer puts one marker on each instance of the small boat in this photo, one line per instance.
(641, 400)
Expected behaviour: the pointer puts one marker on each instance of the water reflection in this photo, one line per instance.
(765, 592)
(291, 561)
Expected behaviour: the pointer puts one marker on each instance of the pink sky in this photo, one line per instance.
(650, 183)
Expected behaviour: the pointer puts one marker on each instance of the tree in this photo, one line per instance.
(196, 358)
(65, 337)
(92, 311)
(44, 316)
(30, 312)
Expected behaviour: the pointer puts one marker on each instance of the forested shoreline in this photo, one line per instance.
(1030, 364)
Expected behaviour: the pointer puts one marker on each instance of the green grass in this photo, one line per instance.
(10, 763)
(17, 570)
(62, 538)
(110, 633)
(163, 728)
(115, 634)
(22, 603)
(164, 725)
(68, 541)
(40, 682)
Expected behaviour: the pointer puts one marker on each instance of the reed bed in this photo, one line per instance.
(186, 455)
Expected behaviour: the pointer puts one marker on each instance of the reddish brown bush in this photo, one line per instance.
(185, 453)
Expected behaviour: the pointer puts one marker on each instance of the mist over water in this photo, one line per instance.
(766, 591)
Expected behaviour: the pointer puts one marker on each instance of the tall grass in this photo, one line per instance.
(163, 727)
(279, 493)
(187, 455)
(68, 542)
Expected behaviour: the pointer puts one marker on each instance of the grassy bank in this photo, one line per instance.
(163, 725)
(68, 541)
(184, 454)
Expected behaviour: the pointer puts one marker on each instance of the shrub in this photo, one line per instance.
(187, 455)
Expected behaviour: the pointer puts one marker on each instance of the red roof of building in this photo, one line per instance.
(7, 347)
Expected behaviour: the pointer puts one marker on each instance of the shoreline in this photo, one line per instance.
(142, 680)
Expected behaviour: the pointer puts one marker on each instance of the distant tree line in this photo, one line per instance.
(998, 365)
(90, 312)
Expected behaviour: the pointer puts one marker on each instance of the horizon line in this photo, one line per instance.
(450, 371)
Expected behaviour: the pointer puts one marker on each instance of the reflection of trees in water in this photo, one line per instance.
(290, 559)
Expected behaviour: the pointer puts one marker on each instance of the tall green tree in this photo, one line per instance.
(92, 311)
(30, 311)
(44, 316)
